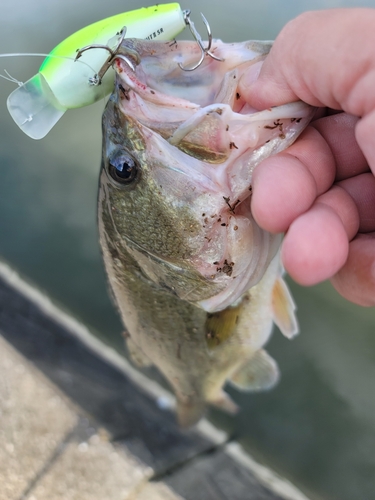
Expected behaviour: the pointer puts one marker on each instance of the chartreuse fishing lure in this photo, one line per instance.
(72, 76)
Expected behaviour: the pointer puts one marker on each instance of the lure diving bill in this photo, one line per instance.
(65, 81)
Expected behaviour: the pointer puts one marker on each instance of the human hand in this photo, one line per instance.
(321, 190)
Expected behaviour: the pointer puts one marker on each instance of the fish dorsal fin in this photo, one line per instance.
(283, 308)
(259, 373)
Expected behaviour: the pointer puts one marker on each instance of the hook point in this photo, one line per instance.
(198, 39)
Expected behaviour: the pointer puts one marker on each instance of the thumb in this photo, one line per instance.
(319, 57)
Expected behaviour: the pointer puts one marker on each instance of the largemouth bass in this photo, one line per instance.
(198, 284)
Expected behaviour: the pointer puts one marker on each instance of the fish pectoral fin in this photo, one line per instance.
(188, 414)
(225, 403)
(258, 374)
(138, 357)
(283, 309)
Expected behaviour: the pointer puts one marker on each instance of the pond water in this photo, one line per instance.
(318, 426)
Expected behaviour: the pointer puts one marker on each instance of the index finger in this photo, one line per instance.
(324, 58)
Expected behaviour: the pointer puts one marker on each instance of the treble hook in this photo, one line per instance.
(113, 54)
(198, 39)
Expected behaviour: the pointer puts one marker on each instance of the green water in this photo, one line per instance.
(318, 426)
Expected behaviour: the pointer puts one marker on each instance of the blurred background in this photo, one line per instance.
(317, 427)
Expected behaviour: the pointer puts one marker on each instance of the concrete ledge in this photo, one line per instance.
(50, 452)
(91, 428)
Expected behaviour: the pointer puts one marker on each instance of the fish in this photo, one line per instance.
(197, 282)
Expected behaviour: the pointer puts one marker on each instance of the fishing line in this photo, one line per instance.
(12, 79)
(37, 54)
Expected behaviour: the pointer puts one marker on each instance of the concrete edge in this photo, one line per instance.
(265, 475)
(274, 482)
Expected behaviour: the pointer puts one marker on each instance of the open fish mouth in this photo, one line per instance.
(198, 144)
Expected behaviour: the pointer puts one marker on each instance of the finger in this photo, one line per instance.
(320, 57)
(338, 131)
(356, 279)
(286, 185)
(365, 137)
(316, 244)
(362, 190)
(343, 204)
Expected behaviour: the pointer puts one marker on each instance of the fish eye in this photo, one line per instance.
(123, 168)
